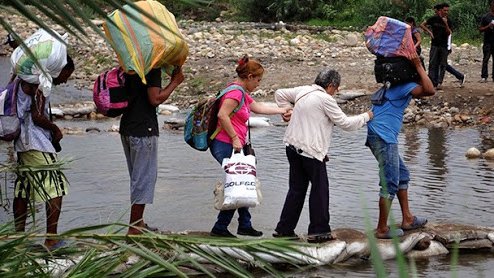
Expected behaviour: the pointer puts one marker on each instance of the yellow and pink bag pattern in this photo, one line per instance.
(140, 43)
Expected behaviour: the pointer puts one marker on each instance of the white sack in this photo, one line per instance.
(51, 55)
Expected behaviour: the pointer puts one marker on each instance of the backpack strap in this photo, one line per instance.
(230, 88)
(222, 93)
(17, 83)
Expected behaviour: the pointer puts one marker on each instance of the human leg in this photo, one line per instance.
(409, 220)
(53, 208)
(136, 222)
(142, 156)
(244, 224)
(388, 160)
(443, 63)
(486, 52)
(454, 72)
(492, 55)
(319, 196)
(20, 213)
(298, 182)
(43, 185)
(221, 150)
(434, 65)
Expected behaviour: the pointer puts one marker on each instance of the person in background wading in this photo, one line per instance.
(139, 135)
(232, 136)
(36, 147)
(307, 139)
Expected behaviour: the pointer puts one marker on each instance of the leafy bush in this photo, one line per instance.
(466, 16)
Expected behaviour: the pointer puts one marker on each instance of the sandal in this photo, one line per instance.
(418, 222)
(397, 232)
(60, 244)
(150, 229)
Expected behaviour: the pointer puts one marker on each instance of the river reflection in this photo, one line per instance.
(444, 186)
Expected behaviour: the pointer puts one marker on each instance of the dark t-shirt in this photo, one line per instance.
(488, 33)
(438, 28)
(140, 119)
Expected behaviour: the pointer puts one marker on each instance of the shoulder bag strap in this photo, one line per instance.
(222, 93)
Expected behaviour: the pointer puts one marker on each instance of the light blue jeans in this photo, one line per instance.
(221, 150)
(393, 174)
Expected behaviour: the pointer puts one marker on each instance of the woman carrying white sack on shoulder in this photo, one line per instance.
(307, 139)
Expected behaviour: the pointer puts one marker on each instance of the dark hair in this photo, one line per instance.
(248, 66)
(441, 5)
(70, 64)
(328, 77)
(410, 19)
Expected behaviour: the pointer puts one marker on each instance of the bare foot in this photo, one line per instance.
(134, 230)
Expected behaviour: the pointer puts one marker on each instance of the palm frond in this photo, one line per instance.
(93, 254)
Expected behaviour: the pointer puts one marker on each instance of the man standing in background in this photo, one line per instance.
(487, 27)
(439, 28)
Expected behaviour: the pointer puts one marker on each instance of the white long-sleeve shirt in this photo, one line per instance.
(314, 114)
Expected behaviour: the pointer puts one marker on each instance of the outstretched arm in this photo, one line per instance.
(261, 108)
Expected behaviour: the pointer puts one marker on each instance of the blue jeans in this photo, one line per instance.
(221, 150)
(393, 174)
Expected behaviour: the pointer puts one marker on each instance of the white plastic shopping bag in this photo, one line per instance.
(219, 194)
(239, 188)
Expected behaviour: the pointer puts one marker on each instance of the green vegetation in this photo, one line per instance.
(343, 14)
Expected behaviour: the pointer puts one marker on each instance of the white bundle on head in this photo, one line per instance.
(50, 53)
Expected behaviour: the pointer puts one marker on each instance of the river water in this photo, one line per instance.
(445, 186)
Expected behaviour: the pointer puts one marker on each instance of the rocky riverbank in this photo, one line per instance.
(292, 55)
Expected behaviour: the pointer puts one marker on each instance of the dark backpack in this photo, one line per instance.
(10, 124)
(110, 93)
(394, 70)
(201, 123)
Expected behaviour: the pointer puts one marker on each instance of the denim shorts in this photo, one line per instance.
(393, 174)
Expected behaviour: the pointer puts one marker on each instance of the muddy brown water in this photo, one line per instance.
(445, 186)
